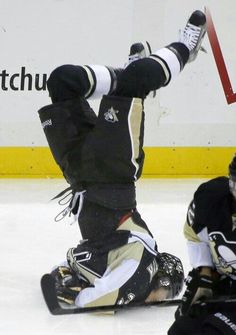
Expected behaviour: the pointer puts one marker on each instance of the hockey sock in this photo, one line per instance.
(90, 81)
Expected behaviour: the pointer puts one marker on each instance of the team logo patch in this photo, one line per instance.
(111, 115)
(224, 253)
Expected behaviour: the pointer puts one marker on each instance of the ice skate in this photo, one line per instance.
(138, 51)
(193, 33)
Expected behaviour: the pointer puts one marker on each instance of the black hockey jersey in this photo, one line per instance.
(210, 227)
(120, 270)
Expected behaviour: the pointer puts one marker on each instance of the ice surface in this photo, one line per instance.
(31, 243)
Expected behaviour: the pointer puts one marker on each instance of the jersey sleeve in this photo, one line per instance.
(197, 240)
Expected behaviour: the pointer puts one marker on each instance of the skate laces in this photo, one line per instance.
(138, 51)
(74, 200)
(190, 35)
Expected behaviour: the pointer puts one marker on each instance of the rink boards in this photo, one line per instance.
(160, 161)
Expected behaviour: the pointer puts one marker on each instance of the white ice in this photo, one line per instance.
(31, 243)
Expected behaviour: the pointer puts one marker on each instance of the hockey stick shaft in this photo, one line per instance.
(49, 292)
(115, 308)
(110, 308)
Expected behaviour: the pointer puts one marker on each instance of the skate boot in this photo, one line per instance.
(138, 51)
(193, 34)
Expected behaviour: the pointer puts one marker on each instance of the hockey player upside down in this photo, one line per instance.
(101, 158)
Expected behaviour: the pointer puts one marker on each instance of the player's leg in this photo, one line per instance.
(108, 152)
(115, 146)
(157, 70)
(89, 81)
(112, 157)
(113, 151)
(96, 221)
(65, 125)
(67, 121)
(70, 82)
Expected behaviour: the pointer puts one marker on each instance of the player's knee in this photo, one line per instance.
(56, 76)
(57, 81)
(141, 77)
(67, 82)
(132, 82)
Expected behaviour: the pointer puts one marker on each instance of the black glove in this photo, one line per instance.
(68, 285)
(198, 288)
(63, 276)
(68, 294)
